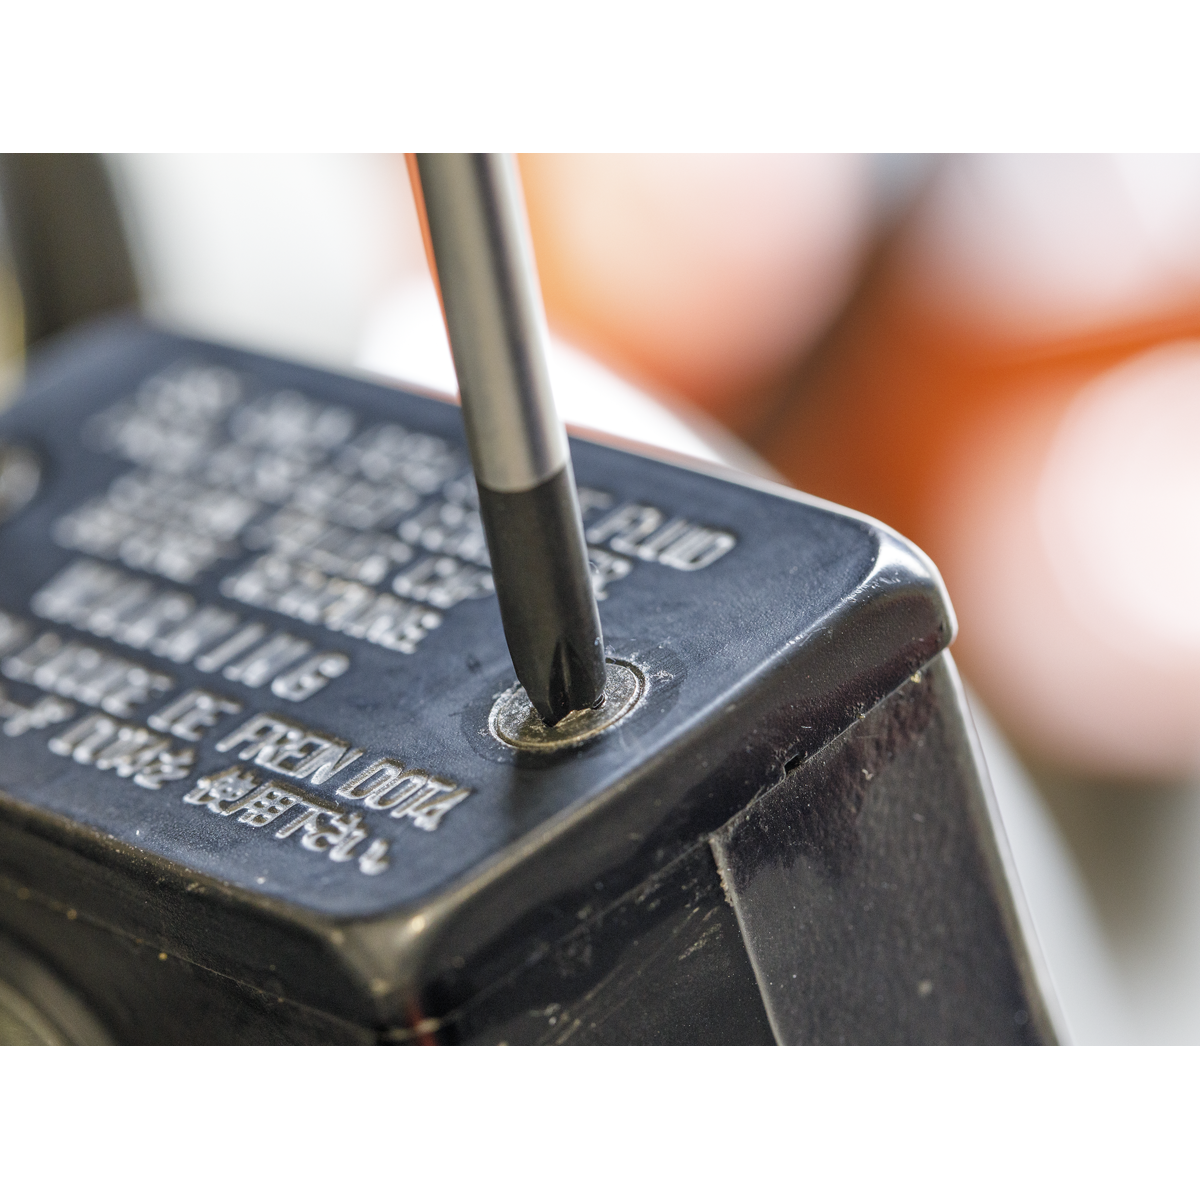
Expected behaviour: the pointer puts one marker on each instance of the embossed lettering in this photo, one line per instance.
(241, 641)
(183, 642)
(83, 673)
(263, 805)
(129, 750)
(83, 740)
(697, 548)
(309, 819)
(638, 530)
(374, 859)
(260, 665)
(303, 754)
(221, 789)
(164, 612)
(192, 714)
(606, 568)
(309, 677)
(168, 766)
(44, 712)
(443, 582)
(434, 801)
(260, 733)
(405, 792)
(626, 527)
(371, 785)
(336, 833)
(71, 594)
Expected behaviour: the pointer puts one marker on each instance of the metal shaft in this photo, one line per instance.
(479, 237)
(497, 326)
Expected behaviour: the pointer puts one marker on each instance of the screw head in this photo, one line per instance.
(514, 722)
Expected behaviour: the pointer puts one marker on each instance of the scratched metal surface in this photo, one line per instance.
(740, 656)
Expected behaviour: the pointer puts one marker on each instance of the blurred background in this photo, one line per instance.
(999, 356)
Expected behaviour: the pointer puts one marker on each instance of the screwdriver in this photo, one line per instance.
(473, 217)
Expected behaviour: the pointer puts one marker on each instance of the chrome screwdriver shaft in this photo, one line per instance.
(474, 216)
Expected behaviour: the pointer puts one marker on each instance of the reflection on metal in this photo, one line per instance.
(494, 314)
(19, 478)
(37, 1008)
(514, 722)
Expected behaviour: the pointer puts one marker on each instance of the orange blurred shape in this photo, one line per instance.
(705, 276)
(959, 380)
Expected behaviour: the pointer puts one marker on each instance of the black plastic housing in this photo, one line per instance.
(627, 890)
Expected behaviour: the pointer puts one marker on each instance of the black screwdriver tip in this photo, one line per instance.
(546, 599)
